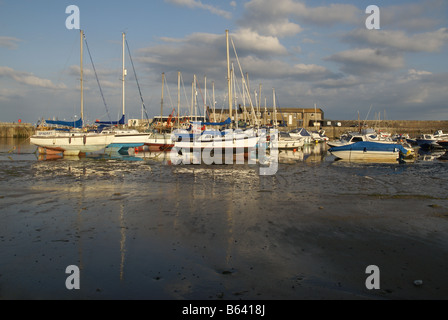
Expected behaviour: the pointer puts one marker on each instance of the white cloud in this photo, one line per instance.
(367, 61)
(7, 94)
(28, 79)
(420, 15)
(246, 39)
(271, 17)
(331, 15)
(198, 4)
(279, 18)
(420, 42)
(277, 69)
(417, 74)
(345, 82)
(205, 53)
(9, 42)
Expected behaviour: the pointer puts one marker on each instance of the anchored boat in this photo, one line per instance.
(370, 151)
(74, 139)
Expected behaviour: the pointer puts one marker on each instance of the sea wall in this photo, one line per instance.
(411, 127)
(16, 130)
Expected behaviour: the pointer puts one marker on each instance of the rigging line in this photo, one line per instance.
(97, 80)
(277, 103)
(245, 84)
(200, 91)
(169, 93)
(138, 85)
(68, 58)
(185, 92)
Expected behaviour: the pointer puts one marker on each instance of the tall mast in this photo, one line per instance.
(178, 99)
(233, 81)
(275, 109)
(214, 102)
(161, 102)
(205, 98)
(229, 87)
(195, 99)
(192, 100)
(123, 76)
(80, 67)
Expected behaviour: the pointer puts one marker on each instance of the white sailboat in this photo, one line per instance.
(125, 138)
(77, 141)
(160, 141)
(216, 141)
(286, 140)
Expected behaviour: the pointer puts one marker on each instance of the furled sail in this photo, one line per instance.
(73, 124)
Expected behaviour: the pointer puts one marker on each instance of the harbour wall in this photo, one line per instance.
(16, 130)
(333, 131)
(411, 127)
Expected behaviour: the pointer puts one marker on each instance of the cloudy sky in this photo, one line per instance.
(312, 52)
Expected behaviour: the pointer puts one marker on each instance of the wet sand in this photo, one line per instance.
(147, 230)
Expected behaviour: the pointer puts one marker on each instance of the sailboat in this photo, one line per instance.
(76, 140)
(285, 140)
(216, 141)
(160, 141)
(124, 138)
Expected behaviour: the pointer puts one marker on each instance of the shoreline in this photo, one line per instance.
(149, 231)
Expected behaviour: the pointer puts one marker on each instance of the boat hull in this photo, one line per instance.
(123, 141)
(427, 143)
(357, 155)
(71, 143)
(370, 151)
(443, 144)
(290, 144)
(241, 144)
(159, 142)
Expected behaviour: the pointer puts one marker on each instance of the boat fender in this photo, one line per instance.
(84, 139)
(365, 149)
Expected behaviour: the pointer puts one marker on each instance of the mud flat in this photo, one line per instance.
(148, 230)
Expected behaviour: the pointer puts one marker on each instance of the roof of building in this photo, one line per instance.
(280, 110)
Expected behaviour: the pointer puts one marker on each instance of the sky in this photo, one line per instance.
(313, 53)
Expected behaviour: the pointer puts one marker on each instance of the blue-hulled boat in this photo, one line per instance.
(371, 151)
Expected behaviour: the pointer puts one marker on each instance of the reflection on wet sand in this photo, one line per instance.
(140, 228)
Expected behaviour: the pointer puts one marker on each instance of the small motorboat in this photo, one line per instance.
(371, 151)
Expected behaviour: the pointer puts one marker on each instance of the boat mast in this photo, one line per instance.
(123, 76)
(81, 71)
(233, 82)
(275, 109)
(229, 87)
(192, 98)
(205, 98)
(214, 101)
(359, 123)
(195, 106)
(178, 99)
(161, 103)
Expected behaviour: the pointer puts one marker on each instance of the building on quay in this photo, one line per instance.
(264, 116)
